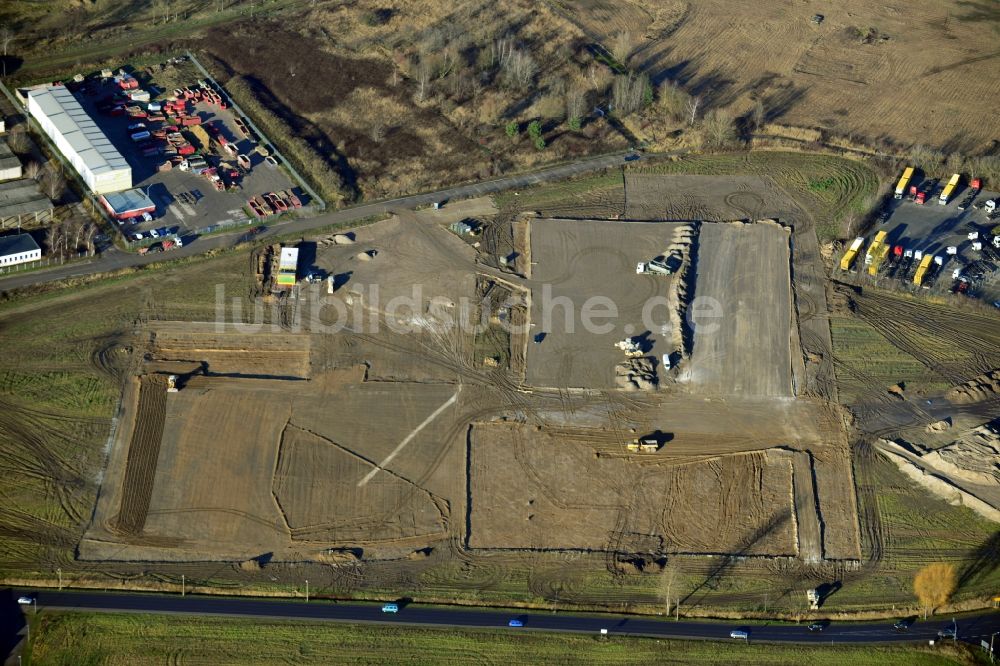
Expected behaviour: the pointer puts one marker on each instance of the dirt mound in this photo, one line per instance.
(939, 426)
(974, 458)
(980, 388)
(636, 374)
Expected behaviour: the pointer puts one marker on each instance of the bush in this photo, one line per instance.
(540, 143)
(535, 129)
(512, 129)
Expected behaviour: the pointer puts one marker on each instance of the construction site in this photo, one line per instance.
(490, 402)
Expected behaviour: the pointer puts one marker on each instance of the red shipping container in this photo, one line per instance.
(186, 149)
(193, 120)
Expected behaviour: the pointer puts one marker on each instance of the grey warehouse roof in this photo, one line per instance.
(7, 158)
(79, 130)
(128, 200)
(17, 244)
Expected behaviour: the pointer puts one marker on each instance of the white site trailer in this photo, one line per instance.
(79, 139)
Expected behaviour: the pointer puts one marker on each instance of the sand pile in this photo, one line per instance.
(980, 388)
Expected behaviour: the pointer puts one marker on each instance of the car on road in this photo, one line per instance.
(390, 608)
(539, 337)
(25, 601)
(902, 625)
(515, 623)
(632, 157)
(817, 626)
(740, 634)
(948, 632)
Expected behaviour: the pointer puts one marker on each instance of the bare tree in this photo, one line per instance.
(668, 577)
(519, 69)
(691, 109)
(33, 170)
(622, 45)
(6, 37)
(719, 128)
(674, 101)
(758, 114)
(424, 70)
(18, 140)
(90, 230)
(576, 105)
(628, 93)
(52, 239)
(54, 183)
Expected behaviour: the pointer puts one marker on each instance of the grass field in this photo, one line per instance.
(81, 639)
(827, 187)
(868, 363)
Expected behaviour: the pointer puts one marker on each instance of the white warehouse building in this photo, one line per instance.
(79, 139)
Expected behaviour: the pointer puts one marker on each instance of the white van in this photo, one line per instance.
(739, 634)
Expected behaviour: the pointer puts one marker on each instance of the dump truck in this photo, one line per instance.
(925, 264)
(903, 182)
(949, 189)
(851, 254)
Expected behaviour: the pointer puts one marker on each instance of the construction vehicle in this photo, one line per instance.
(949, 189)
(990, 207)
(903, 182)
(925, 264)
(644, 445)
(630, 346)
(661, 265)
(852, 252)
(172, 384)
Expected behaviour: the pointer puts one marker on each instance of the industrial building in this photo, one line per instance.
(127, 204)
(79, 139)
(19, 249)
(21, 202)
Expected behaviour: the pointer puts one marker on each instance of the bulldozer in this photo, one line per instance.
(630, 346)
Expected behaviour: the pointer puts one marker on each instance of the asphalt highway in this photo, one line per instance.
(971, 628)
(115, 259)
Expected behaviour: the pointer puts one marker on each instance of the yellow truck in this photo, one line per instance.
(851, 254)
(949, 189)
(925, 263)
(877, 252)
(904, 182)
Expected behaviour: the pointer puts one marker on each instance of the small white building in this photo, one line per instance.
(79, 139)
(19, 249)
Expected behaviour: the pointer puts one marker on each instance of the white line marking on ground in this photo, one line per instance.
(413, 433)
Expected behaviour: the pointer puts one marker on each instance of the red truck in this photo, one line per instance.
(191, 120)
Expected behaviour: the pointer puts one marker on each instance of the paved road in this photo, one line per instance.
(971, 629)
(116, 259)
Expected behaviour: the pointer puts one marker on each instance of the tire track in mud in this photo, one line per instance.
(143, 451)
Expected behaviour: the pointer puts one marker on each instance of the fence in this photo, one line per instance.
(319, 203)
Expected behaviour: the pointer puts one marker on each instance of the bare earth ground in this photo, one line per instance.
(575, 261)
(930, 51)
(717, 198)
(742, 347)
(534, 491)
(403, 449)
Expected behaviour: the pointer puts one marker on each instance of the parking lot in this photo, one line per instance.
(932, 228)
(187, 203)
